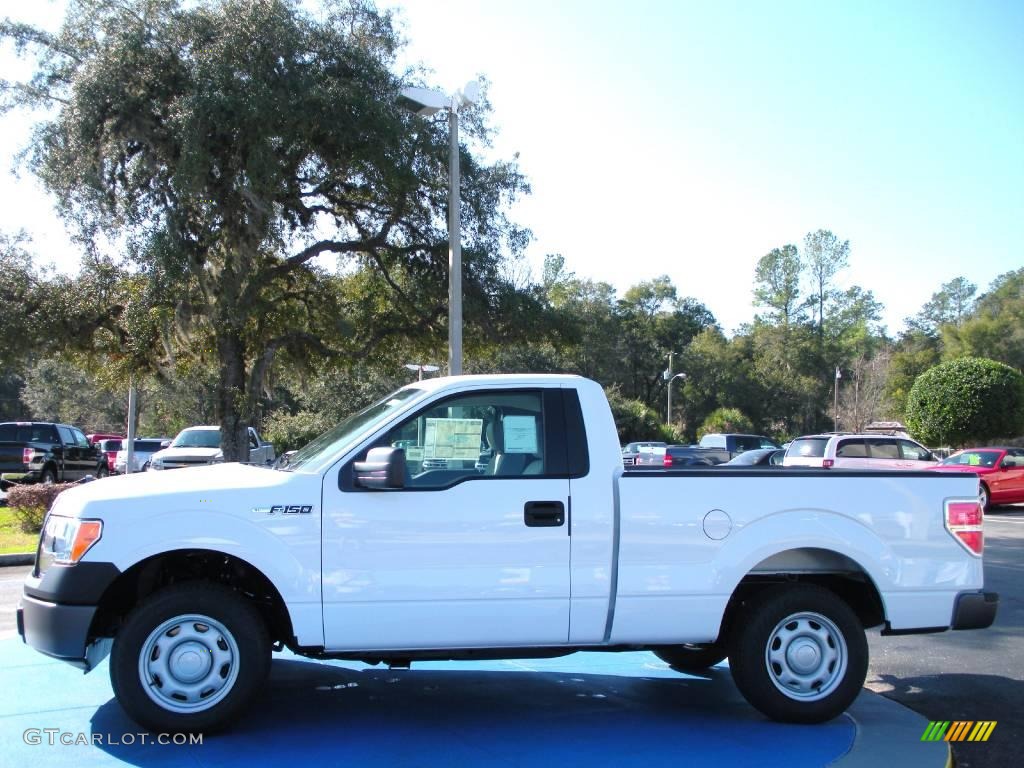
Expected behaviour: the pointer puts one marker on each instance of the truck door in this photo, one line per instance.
(474, 550)
(71, 458)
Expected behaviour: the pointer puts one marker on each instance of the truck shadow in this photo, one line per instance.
(321, 714)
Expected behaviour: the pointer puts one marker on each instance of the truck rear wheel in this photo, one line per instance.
(692, 658)
(799, 655)
(189, 658)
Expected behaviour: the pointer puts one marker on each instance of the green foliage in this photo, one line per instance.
(231, 144)
(966, 401)
(996, 327)
(950, 305)
(777, 284)
(915, 353)
(725, 420)
(57, 389)
(289, 432)
(635, 421)
(31, 503)
(22, 293)
(824, 257)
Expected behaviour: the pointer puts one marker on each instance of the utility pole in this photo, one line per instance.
(835, 405)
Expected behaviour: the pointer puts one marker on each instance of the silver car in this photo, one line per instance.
(144, 449)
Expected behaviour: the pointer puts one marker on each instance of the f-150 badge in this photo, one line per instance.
(285, 509)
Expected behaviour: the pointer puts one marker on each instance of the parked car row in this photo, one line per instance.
(46, 452)
(1000, 469)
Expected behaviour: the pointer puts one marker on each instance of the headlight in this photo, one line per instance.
(65, 540)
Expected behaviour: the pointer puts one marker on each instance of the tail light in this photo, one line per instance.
(27, 454)
(828, 463)
(964, 520)
(667, 461)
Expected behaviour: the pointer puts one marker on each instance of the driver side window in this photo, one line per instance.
(482, 434)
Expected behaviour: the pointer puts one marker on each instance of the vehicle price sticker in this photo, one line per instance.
(520, 434)
(452, 438)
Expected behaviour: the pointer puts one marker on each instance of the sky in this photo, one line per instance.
(688, 139)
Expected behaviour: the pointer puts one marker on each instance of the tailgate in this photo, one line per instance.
(11, 455)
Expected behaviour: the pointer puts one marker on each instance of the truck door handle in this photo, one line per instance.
(544, 514)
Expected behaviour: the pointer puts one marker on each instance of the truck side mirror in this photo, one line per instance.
(383, 469)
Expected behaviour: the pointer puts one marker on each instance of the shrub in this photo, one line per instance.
(31, 503)
(635, 421)
(965, 401)
(725, 420)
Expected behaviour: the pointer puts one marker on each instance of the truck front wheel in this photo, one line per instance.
(189, 658)
(800, 654)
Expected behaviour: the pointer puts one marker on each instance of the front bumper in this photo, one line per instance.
(57, 609)
(61, 631)
(975, 610)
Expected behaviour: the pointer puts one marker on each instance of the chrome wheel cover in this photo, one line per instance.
(806, 656)
(188, 664)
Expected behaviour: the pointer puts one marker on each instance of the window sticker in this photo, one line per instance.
(452, 438)
(520, 434)
(974, 460)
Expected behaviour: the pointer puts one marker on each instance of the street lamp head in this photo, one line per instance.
(423, 101)
(470, 93)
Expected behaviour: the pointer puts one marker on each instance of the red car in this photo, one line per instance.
(110, 446)
(1001, 471)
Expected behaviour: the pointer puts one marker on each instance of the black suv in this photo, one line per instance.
(40, 451)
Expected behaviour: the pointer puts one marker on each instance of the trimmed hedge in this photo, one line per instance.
(31, 503)
(970, 400)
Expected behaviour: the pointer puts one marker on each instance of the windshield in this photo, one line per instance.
(197, 438)
(326, 448)
(972, 459)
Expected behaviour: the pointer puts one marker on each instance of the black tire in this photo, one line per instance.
(102, 470)
(692, 658)
(984, 497)
(799, 654)
(48, 476)
(181, 624)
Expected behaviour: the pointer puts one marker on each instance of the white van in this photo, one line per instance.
(858, 452)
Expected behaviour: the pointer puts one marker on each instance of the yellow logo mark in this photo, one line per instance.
(959, 730)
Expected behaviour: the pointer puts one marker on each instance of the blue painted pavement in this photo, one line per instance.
(589, 709)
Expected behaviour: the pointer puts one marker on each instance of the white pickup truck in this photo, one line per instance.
(490, 517)
(201, 445)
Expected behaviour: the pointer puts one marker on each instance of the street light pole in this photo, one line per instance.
(424, 101)
(454, 247)
(677, 376)
(835, 404)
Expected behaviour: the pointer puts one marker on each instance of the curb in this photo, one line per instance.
(887, 734)
(18, 558)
